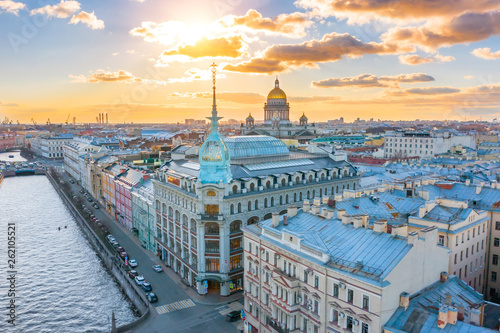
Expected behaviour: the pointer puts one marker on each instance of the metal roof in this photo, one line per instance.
(255, 145)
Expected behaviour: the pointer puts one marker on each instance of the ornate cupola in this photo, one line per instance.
(277, 105)
(303, 120)
(214, 154)
(250, 121)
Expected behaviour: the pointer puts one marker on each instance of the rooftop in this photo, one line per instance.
(255, 145)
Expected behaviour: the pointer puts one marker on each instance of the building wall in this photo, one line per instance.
(143, 218)
(492, 290)
(51, 148)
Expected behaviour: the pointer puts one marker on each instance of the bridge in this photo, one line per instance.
(24, 172)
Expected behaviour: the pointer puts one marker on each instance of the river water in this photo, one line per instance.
(61, 285)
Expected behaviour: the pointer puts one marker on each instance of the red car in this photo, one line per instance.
(123, 254)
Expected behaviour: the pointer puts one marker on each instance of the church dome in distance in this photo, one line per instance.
(276, 93)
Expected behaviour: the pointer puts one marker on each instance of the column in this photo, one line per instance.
(224, 256)
(201, 256)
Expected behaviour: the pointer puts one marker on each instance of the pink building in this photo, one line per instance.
(123, 197)
(7, 140)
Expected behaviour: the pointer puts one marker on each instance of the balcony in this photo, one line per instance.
(207, 217)
(275, 327)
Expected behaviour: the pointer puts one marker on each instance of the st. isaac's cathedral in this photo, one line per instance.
(277, 120)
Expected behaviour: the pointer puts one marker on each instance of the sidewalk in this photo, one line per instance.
(209, 299)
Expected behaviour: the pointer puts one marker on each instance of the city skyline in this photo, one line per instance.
(148, 61)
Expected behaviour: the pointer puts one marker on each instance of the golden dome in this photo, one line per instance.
(276, 93)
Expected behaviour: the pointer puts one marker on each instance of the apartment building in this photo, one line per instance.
(143, 214)
(124, 183)
(72, 152)
(50, 147)
(306, 271)
(424, 144)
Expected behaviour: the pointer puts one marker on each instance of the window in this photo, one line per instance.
(493, 276)
(465, 271)
(350, 295)
(335, 290)
(456, 255)
(316, 282)
(305, 276)
(495, 259)
(250, 247)
(366, 302)
(441, 240)
(364, 328)
(497, 225)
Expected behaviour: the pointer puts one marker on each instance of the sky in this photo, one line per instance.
(149, 60)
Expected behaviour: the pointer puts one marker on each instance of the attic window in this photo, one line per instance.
(291, 239)
(211, 194)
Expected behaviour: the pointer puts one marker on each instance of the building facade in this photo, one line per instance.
(124, 183)
(143, 214)
(309, 272)
(50, 147)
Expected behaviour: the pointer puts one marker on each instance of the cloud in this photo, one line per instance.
(166, 33)
(469, 77)
(89, 19)
(372, 81)
(231, 47)
(331, 47)
(466, 28)
(432, 90)
(235, 97)
(415, 59)
(63, 9)
(363, 10)
(103, 76)
(485, 53)
(312, 99)
(196, 74)
(9, 6)
(2, 104)
(292, 25)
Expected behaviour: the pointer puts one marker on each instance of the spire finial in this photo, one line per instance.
(214, 71)
(277, 82)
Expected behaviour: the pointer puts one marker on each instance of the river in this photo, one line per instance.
(61, 284)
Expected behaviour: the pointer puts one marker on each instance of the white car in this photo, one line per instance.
(132, 263)
(139, 280)
(157, 268)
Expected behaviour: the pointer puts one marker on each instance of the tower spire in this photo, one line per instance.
(277, 82)
(214, 125)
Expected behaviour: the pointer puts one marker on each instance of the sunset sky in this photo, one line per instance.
(148, 60)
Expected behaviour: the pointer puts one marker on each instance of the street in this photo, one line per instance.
(175, 305)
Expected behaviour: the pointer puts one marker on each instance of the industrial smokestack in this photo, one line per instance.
(99, 121)
(106, 117)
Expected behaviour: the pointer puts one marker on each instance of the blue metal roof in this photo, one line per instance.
(422, 313)
(379, 253)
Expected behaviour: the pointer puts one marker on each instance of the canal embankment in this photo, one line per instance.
(109, 258)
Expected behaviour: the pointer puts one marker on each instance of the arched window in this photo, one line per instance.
(193, 224)
(326, 191)
(295, 197)
(320, 192)
(211, 194)
(345, 173)
(283, 182)
(347, 186)
(281, 199)
(272, 201)
(235, 226)
(177, 216)
(265, 203)
(235, 189)
(170, 212)
(185, 221)
(337, 189)
(310, 178)
(308, 194)
(287, 199)
(322, 176)
(157, 204)
(252, 186)
(343, 187)
(232, 209)
(249, 206)
(239, 207)
(164, 209)
(353, 186)
(256, 204)
(314, 194)
(268, 184)
(297, 180)
(211, 228)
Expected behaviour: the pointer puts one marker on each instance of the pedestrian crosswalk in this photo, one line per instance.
(235, 306)
(187, 303)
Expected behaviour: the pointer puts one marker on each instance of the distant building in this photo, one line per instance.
(143, 214)
(277, 120)
(50, 147)
(423, 144)
(7, 140)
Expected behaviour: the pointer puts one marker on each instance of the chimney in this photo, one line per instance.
(276, 220)
(285, 220)
(346, 219)
(292, 211)
(315, 209)
(365, 220)
(443, 277)
(357, 222)
(106, 118)
(404, 300)
(400, 230)
(307, 206)
(412, 237)
(452, 315)
(381, 189)
(317, 202)
(325, 200)
(481, 183)
(429, 234)
(329, 214)
(447, 300)
(338, 197)
(380, 226)
(340, 213)
(443, 316)
(478, 189)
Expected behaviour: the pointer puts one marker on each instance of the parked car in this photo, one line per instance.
(115, 244)
(71, 181)
(132, 274)
(152, 298)
(120, 249)
(89, 200)
(82, 191)
(233, 316)
(139, 280)
(124, 255)
(132, 263)
(146, 286)
(96, 206)
(157, 268)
